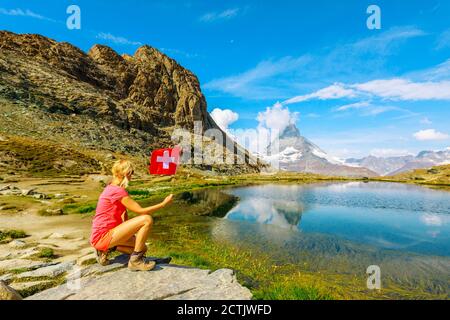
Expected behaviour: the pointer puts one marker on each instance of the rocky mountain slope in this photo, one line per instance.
(296, 153)
(395, 165)
(100, 100)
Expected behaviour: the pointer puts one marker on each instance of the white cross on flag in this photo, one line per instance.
(164, 161)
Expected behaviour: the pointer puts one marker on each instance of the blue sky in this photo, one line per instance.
(351, 90)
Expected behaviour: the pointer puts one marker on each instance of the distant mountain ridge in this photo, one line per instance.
(298, 154)
(388, 166)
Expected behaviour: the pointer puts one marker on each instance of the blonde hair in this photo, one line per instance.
(121, 170)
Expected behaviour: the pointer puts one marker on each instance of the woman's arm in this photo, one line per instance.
(132, 205)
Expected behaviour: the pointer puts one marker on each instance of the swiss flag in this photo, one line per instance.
(165, 161)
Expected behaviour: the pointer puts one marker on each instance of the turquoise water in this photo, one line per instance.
(346, 227)
(383, 215)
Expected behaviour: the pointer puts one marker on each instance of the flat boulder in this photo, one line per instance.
(22, 264)
(49, 271)
(164, 282)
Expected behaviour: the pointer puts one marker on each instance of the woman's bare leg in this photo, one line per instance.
(127, 247)
(140, 226)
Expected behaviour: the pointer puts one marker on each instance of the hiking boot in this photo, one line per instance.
(102, 257)
(137, 263)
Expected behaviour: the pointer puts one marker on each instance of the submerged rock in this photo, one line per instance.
(165, 282)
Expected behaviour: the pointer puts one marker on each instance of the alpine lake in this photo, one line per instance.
(317, 240)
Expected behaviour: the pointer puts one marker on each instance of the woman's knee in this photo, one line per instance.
(147, 220)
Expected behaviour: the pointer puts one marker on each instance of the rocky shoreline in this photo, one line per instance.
(24, 275)
(52, 258)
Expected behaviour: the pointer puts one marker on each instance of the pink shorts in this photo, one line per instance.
(104, 242)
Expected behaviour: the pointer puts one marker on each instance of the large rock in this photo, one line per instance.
(165, 282)
(20, 286)
(49, 271)
(147, 91)
(22, 264)
(8, 293)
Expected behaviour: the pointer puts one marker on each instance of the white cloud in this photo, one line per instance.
(430, 135)
(271, 123)
(280, 79)
(277, 118)
(251, 84)
(357, 105)
(383, 43)
(443, 41)
(224, 15)
(383, 153)
(23, 13)
(224, 118)
(365, 108)
(390, 89)
(431, 220)
(116, 39)
(335, 91)
(436, 73)
(402, 89)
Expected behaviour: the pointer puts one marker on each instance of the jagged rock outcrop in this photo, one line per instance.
(54, 91)
(145, 91)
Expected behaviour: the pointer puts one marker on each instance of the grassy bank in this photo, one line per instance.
(267, 279)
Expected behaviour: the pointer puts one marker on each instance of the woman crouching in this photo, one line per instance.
(111, 227)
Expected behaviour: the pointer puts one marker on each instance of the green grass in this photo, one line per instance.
(290, 292)
(44, 159)
(46, 253)
(53, 282)
(80, 208)
(139, 192)
(86, 209)
(8, 235)
(254, 270)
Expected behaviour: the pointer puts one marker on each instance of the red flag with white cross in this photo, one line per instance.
(165, 161)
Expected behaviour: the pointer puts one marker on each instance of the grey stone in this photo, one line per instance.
(13, 264)
(40, 196)
(57, 235)
(27, 285)
(8, 293)
(17, 243)
(49, 271)
(28, 192)
(165, 282)
(55, 212)
(3, 188)
(23, 254)
(96, 269)
(7, 277)
(87, 259)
